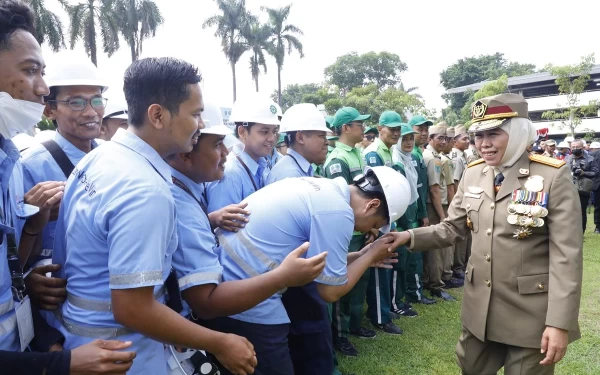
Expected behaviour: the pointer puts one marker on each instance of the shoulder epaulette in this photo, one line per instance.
(546, 160)
(476, 162)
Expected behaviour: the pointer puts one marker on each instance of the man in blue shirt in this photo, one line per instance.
(288, 213)
(310, 340)
(256, 125)
(22, 89)
(116, 231)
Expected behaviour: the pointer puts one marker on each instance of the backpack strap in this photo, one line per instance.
(59, 157)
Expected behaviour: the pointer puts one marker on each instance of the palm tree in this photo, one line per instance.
(232, 25)
(283, 38)
(138, 20)
(85, 18)
(258, 43)
(48, 26)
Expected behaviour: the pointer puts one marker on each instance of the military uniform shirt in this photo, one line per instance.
(11, 179)
(447, 176)
(434, 168)
(116, 230)
(195, 260)
(286, 214)
(236, 184)
(40, 166)
(460, 163)
(292, 165)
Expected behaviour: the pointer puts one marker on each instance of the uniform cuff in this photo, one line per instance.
(411, 245)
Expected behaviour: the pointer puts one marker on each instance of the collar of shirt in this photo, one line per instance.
(418, 150)
(344, 146)
(9, 154)
(382, 145)
(74, 154)
(195, 188)
(435, 153)
(302, 162)
(136, 144)
(459, 152)
(251, 164)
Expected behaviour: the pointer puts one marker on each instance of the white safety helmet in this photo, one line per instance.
(213, 120)
(595, 145)
(570, 138)
(279, 111)
(73, 69)
(303, 117)
(255, 108)
(563, 144)
(116, 109)
(394, 186)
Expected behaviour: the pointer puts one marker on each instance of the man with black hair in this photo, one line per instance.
(22, 89)
(256, 126)
(116, 231)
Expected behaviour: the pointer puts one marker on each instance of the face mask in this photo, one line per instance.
(577, 152)
(18, 116)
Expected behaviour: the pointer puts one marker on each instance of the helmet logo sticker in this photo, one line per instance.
(273, 109)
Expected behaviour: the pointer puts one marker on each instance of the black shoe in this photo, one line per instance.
(408, 312)
(390, 328)
(426, 301)
(364, 333)
(454, 283)
(344, 346)
(443, 295)
(460, 274)
(395, 313)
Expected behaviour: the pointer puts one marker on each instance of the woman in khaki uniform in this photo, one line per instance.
(523, 280)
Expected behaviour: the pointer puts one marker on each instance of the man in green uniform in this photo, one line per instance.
(414, 267)
(379, 153)
(346, 161)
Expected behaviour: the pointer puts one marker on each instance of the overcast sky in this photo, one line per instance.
(428, 35)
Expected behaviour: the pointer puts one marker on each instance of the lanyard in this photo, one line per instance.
(248, 172)
(298, 164)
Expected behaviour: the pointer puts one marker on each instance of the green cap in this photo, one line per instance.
(281, 138)
(419, 120)
(390, 119)
(346, 115)
(333, 138)
(406, 129)
(373, 130)
(329, 121)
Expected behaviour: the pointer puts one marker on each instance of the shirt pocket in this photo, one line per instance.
(472, 206)
(532, 284)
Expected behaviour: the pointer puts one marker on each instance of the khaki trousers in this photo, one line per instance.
(437, 264)
(475, 357)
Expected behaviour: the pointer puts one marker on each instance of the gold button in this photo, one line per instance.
(488, 283)
(488, 258)
(541, 286)
(488, 232)
(492, 206)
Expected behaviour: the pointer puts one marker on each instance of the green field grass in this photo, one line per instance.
(428, 343)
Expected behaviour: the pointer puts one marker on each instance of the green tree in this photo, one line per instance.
(284, 39)
(572, 81)
(48, 26)
(138, 20)
(491, 88)
(294, 93)
(353, 70)
(46, 124)
(89, 17)
(257, 39)
(477, 69)
(231, 26)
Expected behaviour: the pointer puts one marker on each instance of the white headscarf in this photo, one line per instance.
(521, 133)
(405, 158)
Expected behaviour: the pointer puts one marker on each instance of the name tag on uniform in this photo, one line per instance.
(471, 195)
(25, 322)
(335, 168)
(372, 159)
(414, 163)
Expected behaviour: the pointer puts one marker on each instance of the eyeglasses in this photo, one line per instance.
(370, 137)
(79, 104)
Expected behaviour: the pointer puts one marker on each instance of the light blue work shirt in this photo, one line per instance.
(195, 261)
(292, 165)
(40, 166)
(236, 184)
(11, 180)
(286, 214)
(116, 230)
(273, 159)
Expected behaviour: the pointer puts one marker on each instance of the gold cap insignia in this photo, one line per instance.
(479, 110)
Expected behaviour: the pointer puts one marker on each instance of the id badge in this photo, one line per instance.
(25, 322)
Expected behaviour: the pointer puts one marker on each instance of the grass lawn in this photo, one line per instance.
(428, 343)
